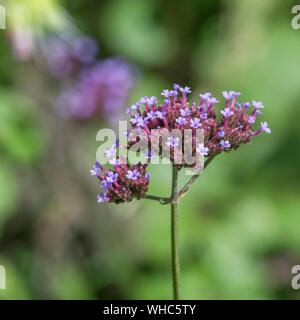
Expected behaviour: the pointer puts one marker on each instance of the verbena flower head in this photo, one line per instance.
(175, 123)
(224, 130)
(122, 183)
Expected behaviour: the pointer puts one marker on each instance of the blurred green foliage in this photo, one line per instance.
(239, 224)
(39, 16)
(20, 136)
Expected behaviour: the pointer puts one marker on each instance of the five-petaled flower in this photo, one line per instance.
(185, 112)
(132, 174)
(251, 119)
(225, 143)
(205, 95)
(181, 121)
(226, 112)
(195, 123)
(230, 94)
(112, 177)
(166, 93)
(257, 104)
(101, 197)
(221, 133)
(203, 151)
(185, 90)
(96, 169)
(151, 115)
(172, 141)
(105, 184)
(264, 127)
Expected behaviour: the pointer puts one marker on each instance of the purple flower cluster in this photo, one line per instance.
(66, 56)
(234, 127)
(101, 89)
(89, 87)
(122, 183)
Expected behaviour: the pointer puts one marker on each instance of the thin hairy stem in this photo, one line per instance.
(174, 235)
(174, 200)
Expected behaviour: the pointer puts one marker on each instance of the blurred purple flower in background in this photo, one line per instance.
(22, 44)
(93, 87)
(101, 89)
(66, 55)
(89, 87)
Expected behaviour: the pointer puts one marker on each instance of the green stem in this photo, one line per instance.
(174, 235)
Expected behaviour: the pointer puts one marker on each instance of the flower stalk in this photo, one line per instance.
(174, 236)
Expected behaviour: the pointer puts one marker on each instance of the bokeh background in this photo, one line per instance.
(69, 68)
